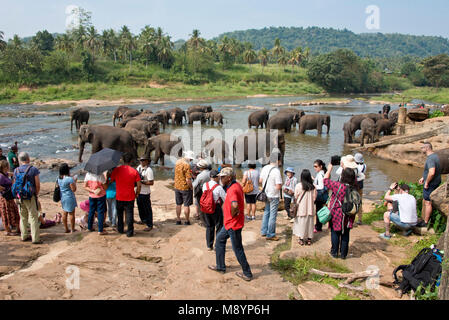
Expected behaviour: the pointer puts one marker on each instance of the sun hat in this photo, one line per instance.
(289, 169)
(189, 155)
(85, 206)
(226, 172)
(359, 158)
(202, 164)
(144, 158)
(349, 162)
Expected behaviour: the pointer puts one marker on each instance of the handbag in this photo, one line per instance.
(248, 186)
(57, 192)
(294, 207)
(262, 196)
(324, 215)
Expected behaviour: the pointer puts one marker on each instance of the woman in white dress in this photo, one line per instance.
(305, 195)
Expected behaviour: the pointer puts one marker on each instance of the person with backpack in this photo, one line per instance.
(322, 193)
(361, 169)
(201, 178)
(26, 188)
(8, 207)
(210, 204)
(305, 195)
(289, 188)
(406, 218)
(340, 223)
(251, 178)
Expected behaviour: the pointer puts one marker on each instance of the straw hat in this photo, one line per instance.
(226, 172)
(349, 162)
(202, 164)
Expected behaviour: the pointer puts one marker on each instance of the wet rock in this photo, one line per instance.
(418, 114)
(440, 199)
(51, 164)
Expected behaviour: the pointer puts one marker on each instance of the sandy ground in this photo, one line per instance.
(170, 262)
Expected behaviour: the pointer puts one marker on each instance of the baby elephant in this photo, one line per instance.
(197, 116)
(368, 127)
(214, 116)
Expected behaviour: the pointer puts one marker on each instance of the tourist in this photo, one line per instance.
(405, 218)
(111, 201)
(361, 168)
(339, 224)
(202, 177)
(96, 184)
(83, 221)
(8, 207)
(270, 177)
(12, 157)
(289, 188)
(214, 221)
(184, 187)
(305, 195)
(126, 177)
(349, 162)
(144, 197)
(67, 184)
(431, 180)
(234, 220)
(322, 193)
(250, 198)
(29, 207)
(47, 223)
(2, 157)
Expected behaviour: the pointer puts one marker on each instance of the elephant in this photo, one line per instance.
(386, 109)
(165, 115)
(282, 121)
(157, 117)
(347, 132)
(258, 118)
(214, 116)
(118, 114)
(80, 116)
(298, 112)
(394, 116)
(131, 113)
(205, 109)
(197, 116)
(314, 122)
(177, 115)
(163, 144)
(217, 150)
(385, 126)
(150, 128)
(106, 137)
(376, 116)
(246, 146)
(356, 121)
(368, 127)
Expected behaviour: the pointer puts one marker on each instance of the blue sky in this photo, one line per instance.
(179, 17)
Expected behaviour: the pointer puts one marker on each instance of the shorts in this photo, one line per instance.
(426, 192)
(184, 197)
(396, 220)
(250, 198)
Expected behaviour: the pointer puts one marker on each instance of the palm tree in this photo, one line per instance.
(263, 57)
(296, 57)
(2, 42)
(16, 42)
(249, 56)
(165, 51)
(195, 41)
(128, 43)
(283, 59)
(306, 54)
(278, 49)
(147, 41)
(92, 41)
(79, 37)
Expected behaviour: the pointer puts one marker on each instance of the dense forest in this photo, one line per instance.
(325, 40)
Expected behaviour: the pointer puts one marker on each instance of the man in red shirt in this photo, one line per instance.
(234, 219)
(126, 177)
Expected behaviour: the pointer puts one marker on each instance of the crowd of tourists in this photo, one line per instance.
(311, 200)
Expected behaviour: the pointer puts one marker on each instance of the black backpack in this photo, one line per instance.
(424, 270)
(352, 201)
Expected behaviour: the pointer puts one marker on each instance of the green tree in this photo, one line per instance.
(277, 50)
(436, 69)
(128, 43)
(249, 56)
(92, 40)
(2, 41)
(196, 42)
(148, 44)
(16, 42)
(263, 57)
(21, 65)
(88, 65)
(43, 41)
(63, 43)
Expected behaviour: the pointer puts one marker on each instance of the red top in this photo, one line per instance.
(125, 178)
(234, 193)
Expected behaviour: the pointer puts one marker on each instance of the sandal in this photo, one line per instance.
(309, 242)
(301, 242)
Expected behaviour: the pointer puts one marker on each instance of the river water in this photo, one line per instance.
(48, 136)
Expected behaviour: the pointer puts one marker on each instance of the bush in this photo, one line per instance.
(436, 114)
(257, 77)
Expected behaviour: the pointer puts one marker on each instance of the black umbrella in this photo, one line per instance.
(103, 160)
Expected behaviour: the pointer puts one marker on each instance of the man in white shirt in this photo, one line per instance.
(270, 177)
(144, 200)
(406, 218)
(214, 221)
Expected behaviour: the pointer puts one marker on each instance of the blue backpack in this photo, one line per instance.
(22, 188)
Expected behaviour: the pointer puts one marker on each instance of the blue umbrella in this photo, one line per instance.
(103, 160)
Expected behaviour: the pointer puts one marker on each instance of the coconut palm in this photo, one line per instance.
(283, 59)
(16, 42)
(147, 43)
(127, 42)
(92, 40)
(249, 56)
(263, 57)
(165, 52)
(278, 50)
(2, 41)
(195, 41)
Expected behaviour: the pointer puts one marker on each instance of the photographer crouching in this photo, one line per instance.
(401, 210)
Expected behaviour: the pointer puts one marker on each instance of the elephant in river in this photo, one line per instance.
(163, 144)
(258, 118)
(356, 121)
(149, 128)
(132, 113)
(197, 116)
(347, 132)
(217, 150)
(177, 115)
(80, 116)
(118, 114)
(157, 117)
(298, 112)
(386, 109)
(213, 117)
(282, 121)
(314, 122)
(165, 115)
(255, 145)
(368, 127)
(204, 109)
(106, 137)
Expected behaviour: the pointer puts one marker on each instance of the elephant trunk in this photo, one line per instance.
(81, 147)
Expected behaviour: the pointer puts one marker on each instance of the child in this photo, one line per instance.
(82, 221)
(289, 188)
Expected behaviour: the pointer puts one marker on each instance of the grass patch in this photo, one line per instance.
(376, 215)
(437, 95)
(343, 295)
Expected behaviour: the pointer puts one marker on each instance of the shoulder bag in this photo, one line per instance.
(324, 215)
(262, 196)
(248, 186)
(294, 206)
(57, 192)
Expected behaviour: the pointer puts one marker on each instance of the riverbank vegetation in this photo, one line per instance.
(84, 63)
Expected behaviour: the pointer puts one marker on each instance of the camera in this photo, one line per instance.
(336, 160)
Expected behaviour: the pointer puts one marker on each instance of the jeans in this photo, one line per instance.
(145, 210)
(112, 211)
(269, 217)
(96, 205)
(128, 208)
(287, 203)
(396, 220)
(340, 241)
(237, 246)
(214, 223)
